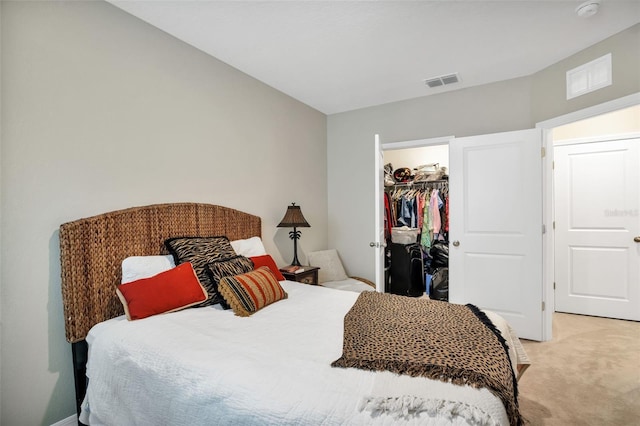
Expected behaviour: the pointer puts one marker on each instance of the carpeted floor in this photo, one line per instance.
(589, 374)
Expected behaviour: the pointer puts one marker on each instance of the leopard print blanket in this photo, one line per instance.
(428, 338)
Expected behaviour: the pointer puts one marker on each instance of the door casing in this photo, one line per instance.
(547, 191)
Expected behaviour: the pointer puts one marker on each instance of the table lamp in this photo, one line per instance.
(293, 218)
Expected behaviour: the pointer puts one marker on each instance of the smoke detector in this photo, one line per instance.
(588, 8)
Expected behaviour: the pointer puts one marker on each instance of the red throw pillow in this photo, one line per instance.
(169, 291)
(267, 260)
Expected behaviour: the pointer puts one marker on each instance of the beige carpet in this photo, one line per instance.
(589, 374)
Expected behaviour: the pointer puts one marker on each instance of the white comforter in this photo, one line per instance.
(206, 366)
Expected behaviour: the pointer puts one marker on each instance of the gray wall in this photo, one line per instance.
(101, 111)
(503, 106)
(0, 205)
(549, 85)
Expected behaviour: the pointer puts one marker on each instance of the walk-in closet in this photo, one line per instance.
(416, 199)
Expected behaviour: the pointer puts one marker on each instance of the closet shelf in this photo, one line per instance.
(418, 184)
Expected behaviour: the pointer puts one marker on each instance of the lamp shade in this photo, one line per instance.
(293, 218)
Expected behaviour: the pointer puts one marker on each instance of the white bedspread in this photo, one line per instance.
(206, 366)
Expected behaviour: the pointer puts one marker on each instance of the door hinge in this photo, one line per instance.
(543, 306)
(554, 285)
(553, 165)
(543, 152)
(554, 224)
(544, 229)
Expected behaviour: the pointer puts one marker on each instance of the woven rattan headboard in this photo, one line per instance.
(92, 250)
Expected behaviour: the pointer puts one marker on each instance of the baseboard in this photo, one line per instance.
(69, 421)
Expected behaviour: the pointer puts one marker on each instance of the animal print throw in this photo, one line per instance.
(428, 338)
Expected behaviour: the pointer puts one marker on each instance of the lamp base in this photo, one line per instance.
(294, 235)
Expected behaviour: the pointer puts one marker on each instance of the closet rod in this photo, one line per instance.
(423, 183)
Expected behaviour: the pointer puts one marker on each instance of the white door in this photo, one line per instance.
(597, 217)
(379, 241)
(495, 213)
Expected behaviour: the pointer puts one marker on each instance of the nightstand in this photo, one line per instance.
(309, 275)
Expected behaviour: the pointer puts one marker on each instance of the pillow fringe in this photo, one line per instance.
(233, 302)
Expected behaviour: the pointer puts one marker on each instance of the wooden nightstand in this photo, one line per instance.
(309, 275)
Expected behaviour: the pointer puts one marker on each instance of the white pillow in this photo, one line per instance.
(138, 267)
(249, 248)
(331, 268)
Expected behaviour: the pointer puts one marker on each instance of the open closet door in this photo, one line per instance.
(379, 242)
(495, 254)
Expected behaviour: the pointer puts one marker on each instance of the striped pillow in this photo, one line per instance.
(250, 292)
(200, 251)
(227, 268)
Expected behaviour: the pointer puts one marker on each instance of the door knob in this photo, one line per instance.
(374, 244)
(637, 239)
(456, 243)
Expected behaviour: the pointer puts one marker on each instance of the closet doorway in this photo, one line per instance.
(597, 215)
(419, 202)
(405, 154)
(495, 230)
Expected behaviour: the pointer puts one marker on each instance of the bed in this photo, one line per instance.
(206, 365)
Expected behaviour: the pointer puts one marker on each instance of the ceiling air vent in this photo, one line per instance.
(442, 80)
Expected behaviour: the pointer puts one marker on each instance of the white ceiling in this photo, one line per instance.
(342, 55)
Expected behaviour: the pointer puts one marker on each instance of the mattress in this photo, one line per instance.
(349, 284)
(206, 366)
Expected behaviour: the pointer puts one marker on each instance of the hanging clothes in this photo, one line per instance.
(423, 205)
(420, 208)
(435, 211)
(406, 212)
(425, 237)
(446, 214)
(387, 217)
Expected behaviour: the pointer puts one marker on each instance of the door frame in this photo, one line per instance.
(548, 241)
(391, 146)
(418, 143)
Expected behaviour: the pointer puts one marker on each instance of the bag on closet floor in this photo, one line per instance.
(439, 253)
(440, 284)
